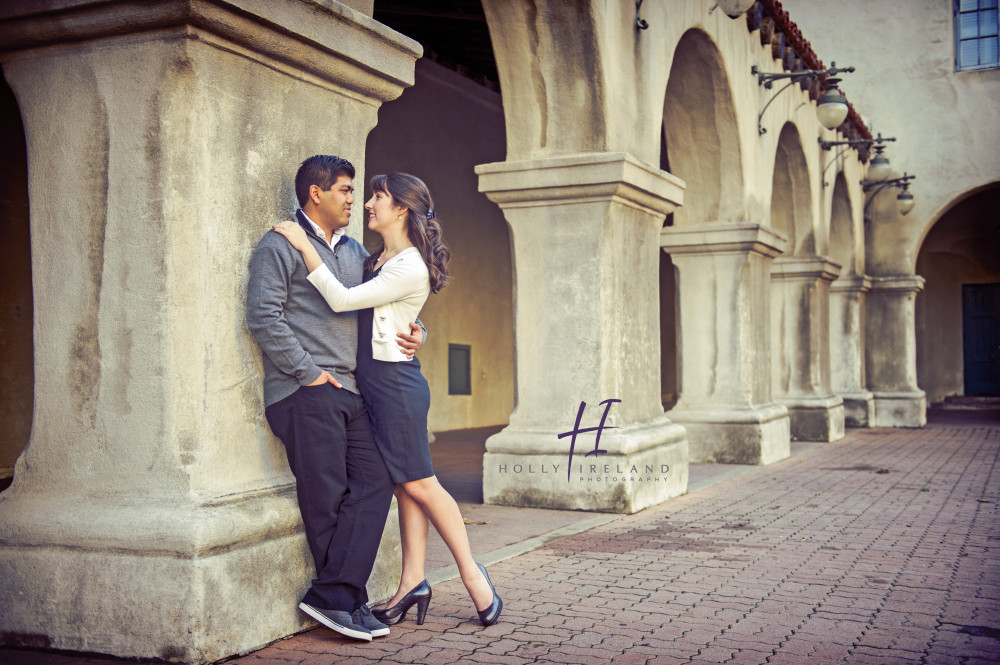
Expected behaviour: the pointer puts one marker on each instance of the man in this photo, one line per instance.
(312, 401)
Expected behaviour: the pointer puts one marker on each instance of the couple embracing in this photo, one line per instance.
(338, 329)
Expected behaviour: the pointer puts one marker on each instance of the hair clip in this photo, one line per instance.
(430, 214)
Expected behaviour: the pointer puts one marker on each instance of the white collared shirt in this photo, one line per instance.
(321, 233)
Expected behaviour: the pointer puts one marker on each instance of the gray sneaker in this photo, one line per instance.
(363, 616)
(338, 621)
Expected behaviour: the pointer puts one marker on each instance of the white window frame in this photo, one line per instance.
(957, 14)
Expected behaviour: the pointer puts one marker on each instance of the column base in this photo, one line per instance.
(645, 465)
(859, 409)
(163, 578)
(900, 409)
(754, 435)
(816, 418)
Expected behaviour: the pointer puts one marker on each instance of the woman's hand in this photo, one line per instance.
(298, 239)
(294, 233)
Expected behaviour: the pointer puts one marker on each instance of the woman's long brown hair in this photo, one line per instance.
(423, 229)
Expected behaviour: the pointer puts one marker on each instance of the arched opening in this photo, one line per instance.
(790, 194)
(958, 312)
(16, 344)
(699, 125)
(700, 144)
(670, 380)
(800, 304)
(842, 244)
(847, 311)
(789, 215)
(439, 129)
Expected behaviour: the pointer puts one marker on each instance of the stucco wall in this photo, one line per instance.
(439, 130)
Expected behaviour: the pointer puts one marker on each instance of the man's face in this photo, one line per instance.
(335, 203)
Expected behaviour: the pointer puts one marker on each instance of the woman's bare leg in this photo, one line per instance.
(413, 527)
(441, 509)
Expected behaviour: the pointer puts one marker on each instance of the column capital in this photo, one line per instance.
(811, 267)
(730, 237)
(581, 178)
(852, 284)
(327, 41)
(897, 283)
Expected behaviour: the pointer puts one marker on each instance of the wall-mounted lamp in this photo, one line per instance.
(904, 200)
(733, 8)
(879, 169)
(832, 105)
(832, 108)
(877, 141)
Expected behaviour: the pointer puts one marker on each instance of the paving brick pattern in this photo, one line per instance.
(882, 548)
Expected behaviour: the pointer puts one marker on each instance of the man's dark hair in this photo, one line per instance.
(322, 171)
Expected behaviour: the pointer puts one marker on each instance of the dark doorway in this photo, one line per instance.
(17, 379)
(981, 338)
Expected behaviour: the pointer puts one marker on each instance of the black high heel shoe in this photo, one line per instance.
(419, 595)
(490, 615)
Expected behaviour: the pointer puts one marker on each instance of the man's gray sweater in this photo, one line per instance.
(297, 331)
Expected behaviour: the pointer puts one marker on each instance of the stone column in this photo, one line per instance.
(725, 354)
(584, 231)
(891, 352)
(152, 513)
(847, 348)
(800, 318)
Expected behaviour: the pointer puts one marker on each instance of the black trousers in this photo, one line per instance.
(343, 487)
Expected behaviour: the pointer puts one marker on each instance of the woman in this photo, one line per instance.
(411, 263)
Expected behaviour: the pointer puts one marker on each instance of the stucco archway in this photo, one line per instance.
(700, 133)
(790, 194)
(670, 374)
(842, 238)
(800, 304)
(699, 143)
(16, 344)
(959, 251)
(848, 302)
(461, 125)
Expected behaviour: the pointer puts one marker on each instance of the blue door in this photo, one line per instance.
(981, 338)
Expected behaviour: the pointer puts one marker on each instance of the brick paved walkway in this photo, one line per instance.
(881, 548)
